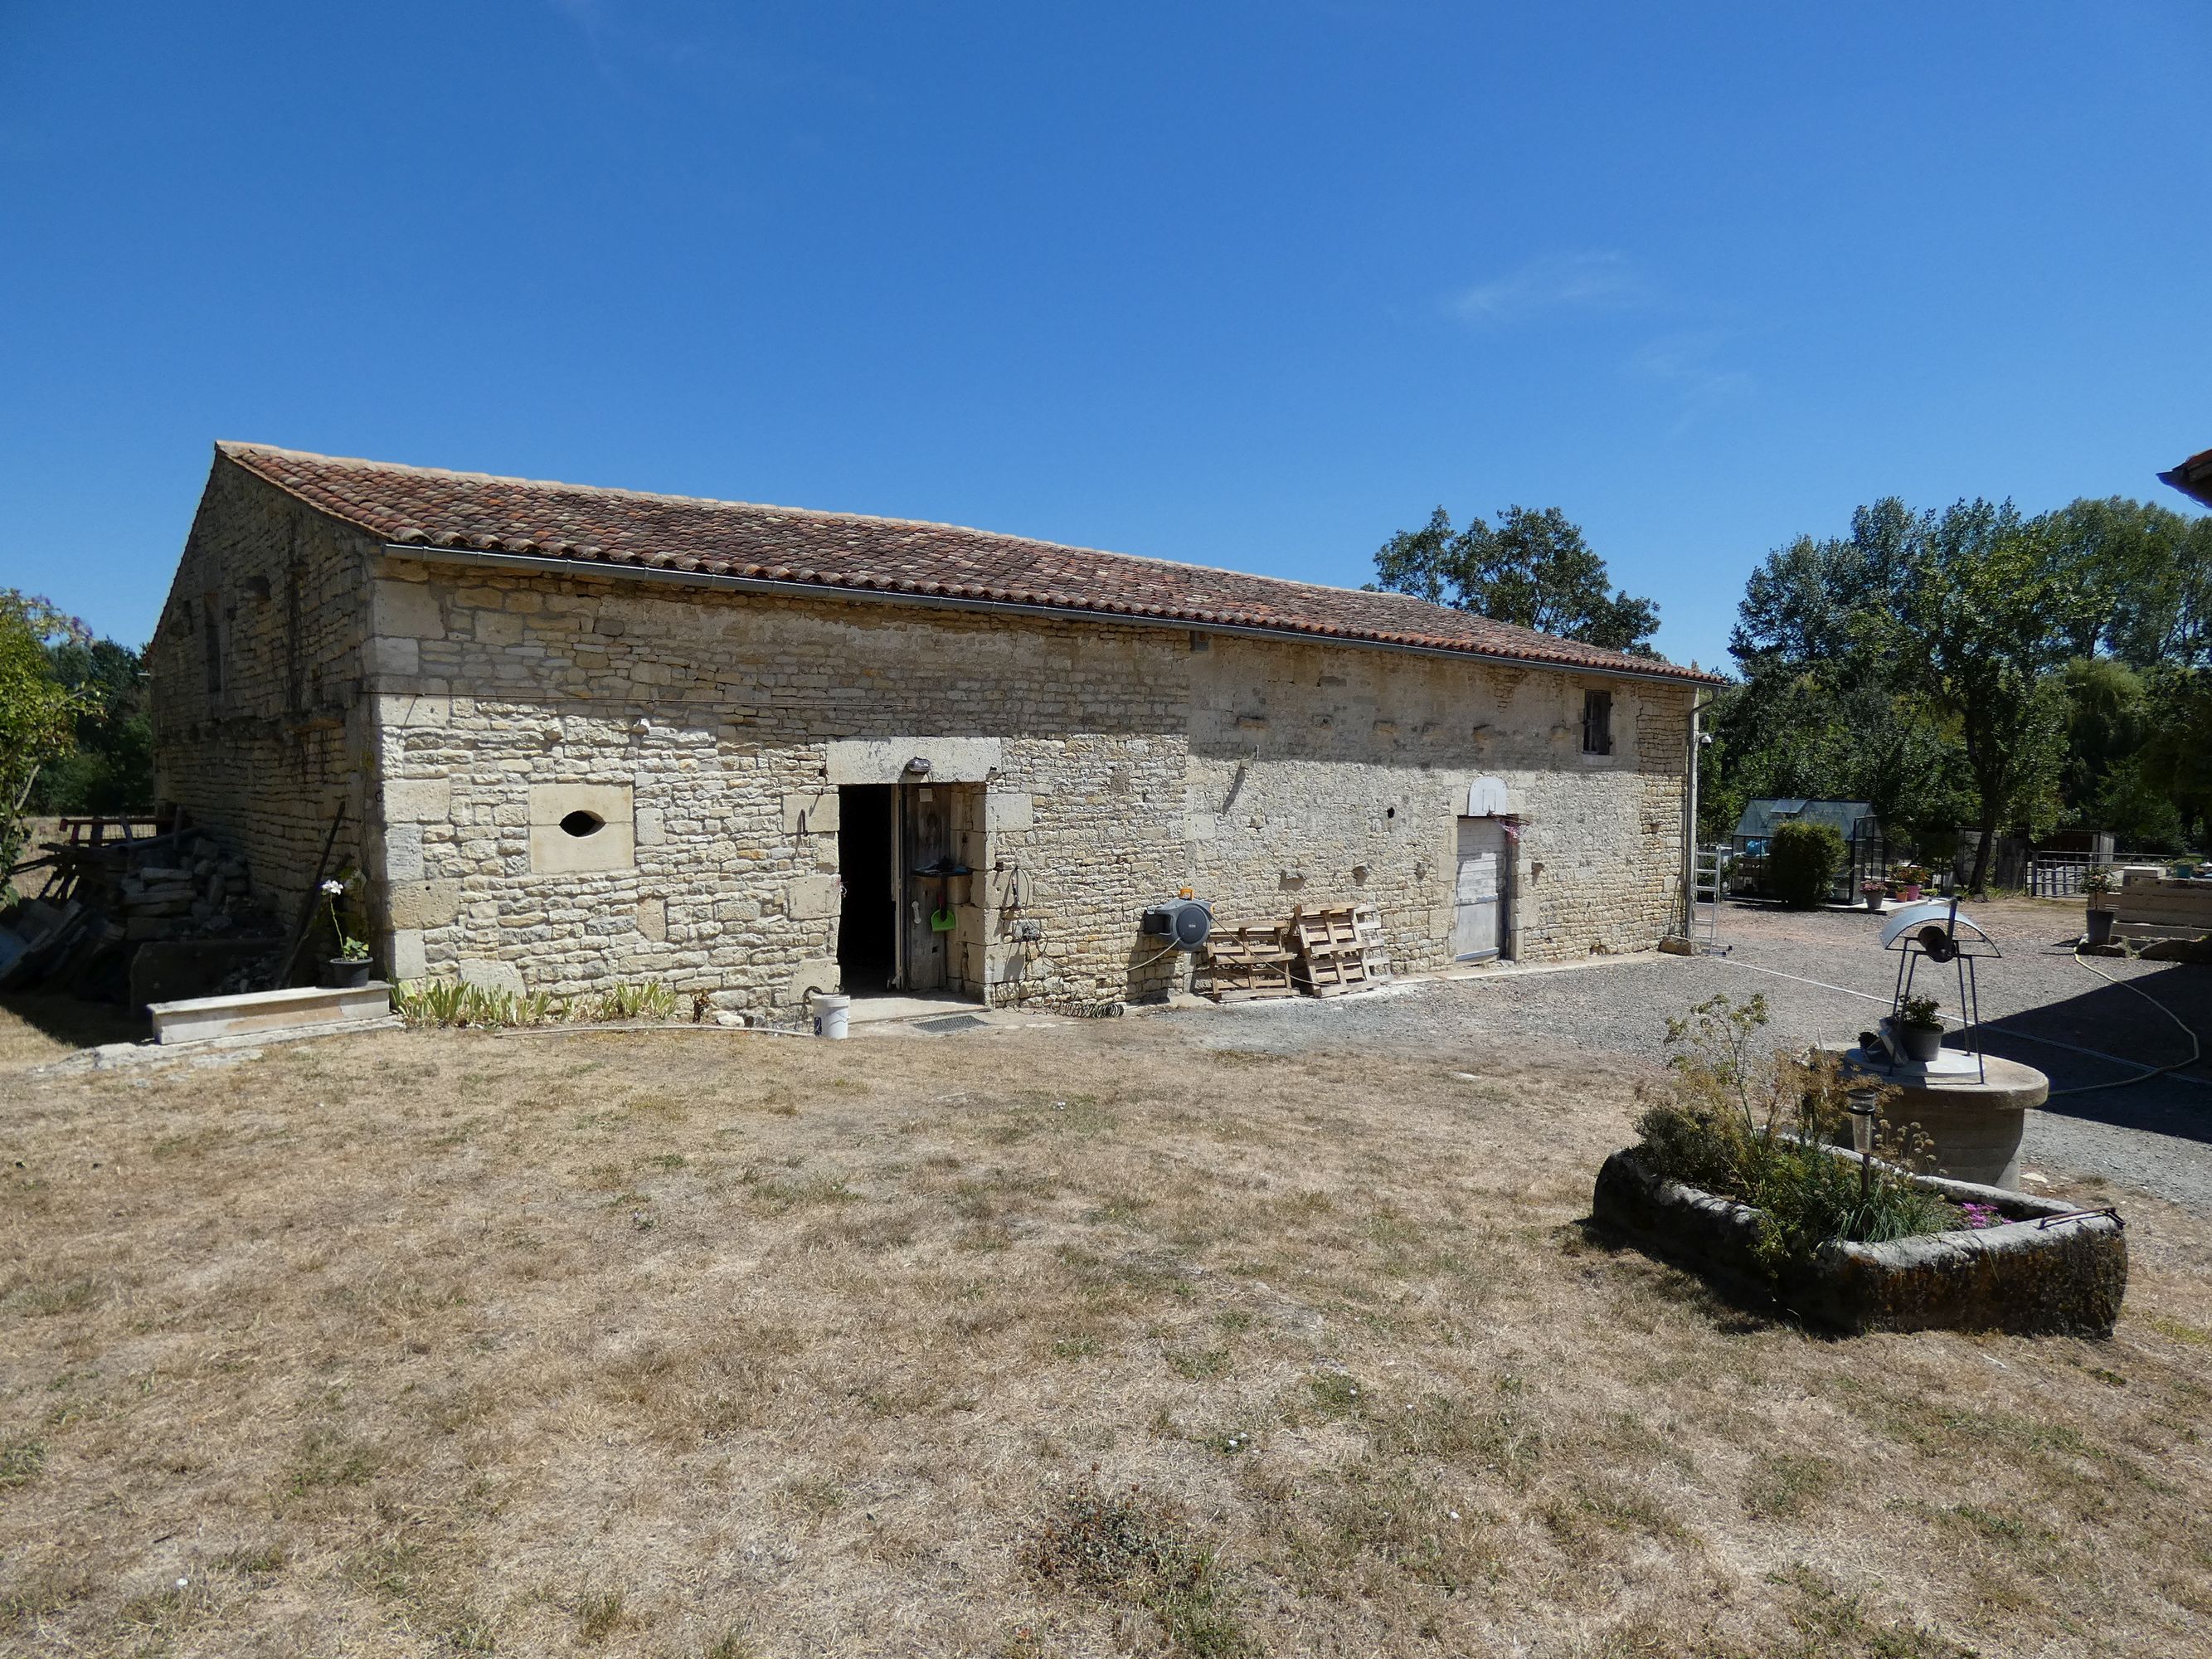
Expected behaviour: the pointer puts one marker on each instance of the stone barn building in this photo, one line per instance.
(574, 735)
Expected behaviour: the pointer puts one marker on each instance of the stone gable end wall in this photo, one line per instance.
(264, 760)
(1115, 764)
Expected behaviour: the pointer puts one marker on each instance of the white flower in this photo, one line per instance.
(334, 888)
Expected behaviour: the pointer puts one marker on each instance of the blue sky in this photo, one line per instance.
(1250, 285)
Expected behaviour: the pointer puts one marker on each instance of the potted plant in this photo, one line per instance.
(351, 966)
(2098, 883)
(1909, 879)
(1874, 892)
(1919, 1028)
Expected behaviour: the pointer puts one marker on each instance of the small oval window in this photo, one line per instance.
(581, 823)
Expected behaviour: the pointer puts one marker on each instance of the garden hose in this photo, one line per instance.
(2195, 1048)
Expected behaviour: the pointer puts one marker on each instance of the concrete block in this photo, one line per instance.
(885, 760)
(813, 812)
(201, 1018)
(810, 898)
(418, 801)
(424, 903)
(491, 975)
(1008, 809)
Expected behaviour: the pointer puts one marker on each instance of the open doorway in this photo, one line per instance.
(867, 931)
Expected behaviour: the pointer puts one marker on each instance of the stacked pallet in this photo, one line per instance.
(1332, 956)
(1374, 949)
(1244, 965)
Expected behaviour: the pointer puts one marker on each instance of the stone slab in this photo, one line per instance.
(2049, 1270)
(553, 851)
(199, 1018)
(886, 759)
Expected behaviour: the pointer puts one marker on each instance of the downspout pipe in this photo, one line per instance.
(1698, 704)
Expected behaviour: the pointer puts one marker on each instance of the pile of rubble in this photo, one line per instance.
(136, 917)
(199, 887)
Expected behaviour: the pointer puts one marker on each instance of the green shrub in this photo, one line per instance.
(1802, 862)
(1754, 1128)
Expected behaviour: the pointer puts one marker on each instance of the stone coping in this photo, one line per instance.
(2050, 1269)
(198, 1018)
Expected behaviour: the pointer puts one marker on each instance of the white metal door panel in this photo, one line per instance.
(1476, 907)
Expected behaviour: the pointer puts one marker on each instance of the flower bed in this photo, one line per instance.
(1739, 1175)
(2042, 1269)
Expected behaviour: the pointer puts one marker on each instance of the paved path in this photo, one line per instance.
(2155, 1135)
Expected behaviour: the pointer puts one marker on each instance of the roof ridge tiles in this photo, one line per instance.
(600, 525)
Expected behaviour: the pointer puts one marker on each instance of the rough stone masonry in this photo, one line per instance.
(580, 736)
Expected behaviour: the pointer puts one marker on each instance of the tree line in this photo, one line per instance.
(75, 735)
(1963, 665)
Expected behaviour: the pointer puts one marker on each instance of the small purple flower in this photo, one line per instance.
(1979, 1216)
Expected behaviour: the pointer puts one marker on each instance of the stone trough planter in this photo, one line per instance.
(2049, 1270)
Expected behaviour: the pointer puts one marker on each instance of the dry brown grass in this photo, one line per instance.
(698, 1343)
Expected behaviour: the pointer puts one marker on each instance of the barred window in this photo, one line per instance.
(1597, 722)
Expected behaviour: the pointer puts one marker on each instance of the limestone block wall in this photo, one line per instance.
(1330, 774)
(255, 675)
(709, 730)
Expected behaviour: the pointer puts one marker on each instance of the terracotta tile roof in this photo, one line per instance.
(2193, 477)
(619, 529)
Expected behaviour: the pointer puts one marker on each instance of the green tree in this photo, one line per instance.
(1987, 609)
(37, 712)
(1533, 569)
(111, 770)
(1825, 708)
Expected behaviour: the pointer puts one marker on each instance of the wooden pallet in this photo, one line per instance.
(1332, 975)
(1374, 947)
(1245, 963)
(1326, 933)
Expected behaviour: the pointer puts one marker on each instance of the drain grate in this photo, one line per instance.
(950, 1022)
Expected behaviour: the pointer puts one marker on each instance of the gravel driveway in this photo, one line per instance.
(2154, 1135)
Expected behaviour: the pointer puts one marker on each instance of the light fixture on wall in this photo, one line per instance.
(919, 766)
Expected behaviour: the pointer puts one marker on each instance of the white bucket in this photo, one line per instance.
(830, 1015)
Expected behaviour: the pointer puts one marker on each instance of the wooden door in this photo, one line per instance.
(929, 846)
(1479, 892)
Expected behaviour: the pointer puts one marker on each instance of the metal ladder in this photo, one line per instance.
(1705, 900)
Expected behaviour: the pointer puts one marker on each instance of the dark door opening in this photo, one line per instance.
(867, 931)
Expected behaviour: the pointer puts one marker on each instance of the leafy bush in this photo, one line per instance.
(1755, 1127)
(1802, 862)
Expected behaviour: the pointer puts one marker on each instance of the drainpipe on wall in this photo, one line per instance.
(1698, 703)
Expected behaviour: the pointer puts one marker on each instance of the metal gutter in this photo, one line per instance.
(578, 568)
(1698, 704)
